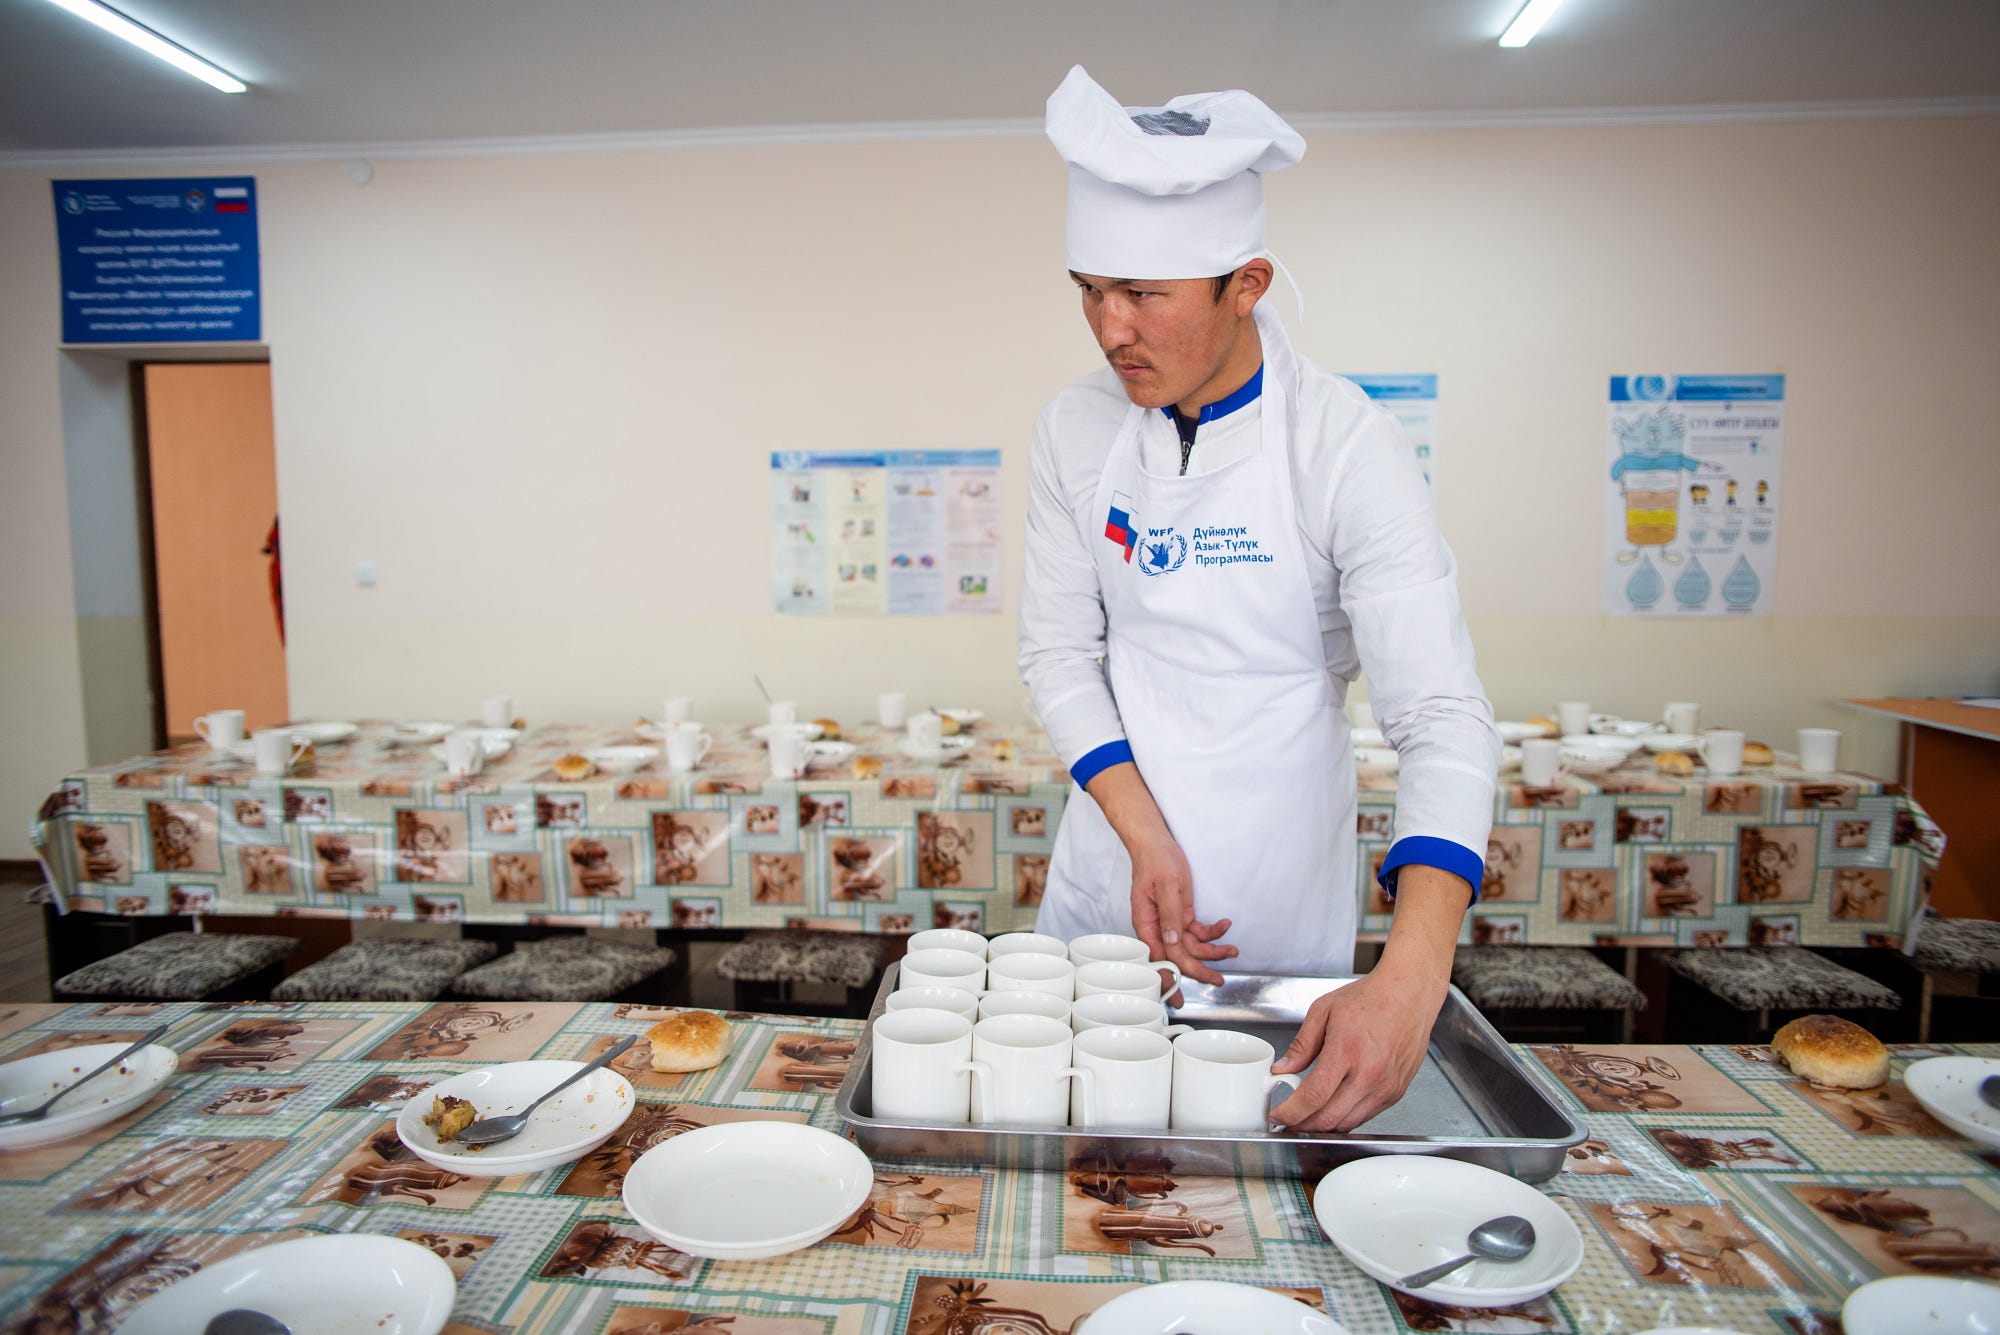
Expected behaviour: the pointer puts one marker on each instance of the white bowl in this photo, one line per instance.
(1623, 746)
(1398, 1213)
(965, 718)
(1520, 732)
(1207, 1305)
(745, 1190)
(948, 748)
(105, 1099)
(812, 732)
(824, 755)
(1376, 759)
(491, 748)
(1948, 1087)
(1610, 725)
(416, 734)
(1657, 742)
(316, 1286)
(621, 759)
(1908, 1304)
(566, 1128)
(321, 734)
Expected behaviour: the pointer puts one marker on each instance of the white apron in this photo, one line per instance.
(1221, 680)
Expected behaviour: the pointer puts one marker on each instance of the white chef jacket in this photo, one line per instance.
(1383, 580)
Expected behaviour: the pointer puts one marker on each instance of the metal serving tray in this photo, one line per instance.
(1471, 1100)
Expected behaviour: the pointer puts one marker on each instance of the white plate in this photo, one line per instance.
(744, 1190)
(652, 732)
(355, 1282)
(1398, 1213)
(1583, 741)
(106, 1099)
(567, 1127)
(948, 748)
(621, 759)
(965, 718)
(1908, 1304)
(1948, 1087)
(1207, 1306)
(1520, 732)
(1366, 736)
(1376, 759)
(416, 734)
(1610, 725)
(812, 732)
(494, 748)
(1657, 742)
(322, 734)
(826, 754)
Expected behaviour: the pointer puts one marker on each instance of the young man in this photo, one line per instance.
(1221, 537)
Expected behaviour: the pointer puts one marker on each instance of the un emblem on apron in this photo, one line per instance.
(1162, 551)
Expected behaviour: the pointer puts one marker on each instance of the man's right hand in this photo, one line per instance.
(1163, 913)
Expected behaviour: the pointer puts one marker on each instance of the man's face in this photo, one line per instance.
(1165, 339)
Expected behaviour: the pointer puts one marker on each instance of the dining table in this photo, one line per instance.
(1714, 1189)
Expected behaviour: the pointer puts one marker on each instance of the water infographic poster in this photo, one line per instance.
(1413, 401)
(1692, 494)
(897, 533)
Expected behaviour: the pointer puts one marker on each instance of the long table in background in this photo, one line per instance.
(888, 844)
(1715, 1189)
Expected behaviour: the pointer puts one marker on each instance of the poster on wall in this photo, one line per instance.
(159, 260)
(1413, 401)
(1692, 495)
(897, 533)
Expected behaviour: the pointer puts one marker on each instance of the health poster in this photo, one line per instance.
(898, 532)
(1692, 494)
(1413, 401)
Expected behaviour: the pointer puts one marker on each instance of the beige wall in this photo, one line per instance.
(539, 392)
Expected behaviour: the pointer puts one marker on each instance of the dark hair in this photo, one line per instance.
(1221, 282)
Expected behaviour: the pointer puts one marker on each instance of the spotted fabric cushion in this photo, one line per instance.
(1958, 945)
(563, 969)
(1542, 977)
(385, 970)
(1755, 978)
(850, 959)
(180, 966)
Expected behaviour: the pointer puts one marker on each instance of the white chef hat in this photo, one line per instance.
(1166, 192)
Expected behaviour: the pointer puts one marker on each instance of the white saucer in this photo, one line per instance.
(350, 1282)
(652, 732)
(1909, 1304)
(622, 759)
(567, 1127)
(105, 1099)
(1657, 742)
(965, 718)
(812, 732)
(416, 734)
(827, 754)
(1948, 1087)
(744, 1190)
(1610, 725)
(1207, 1305)
(1398, 1213)
(1511, 732)
(493, 747)
(948, 748)
(322, 734)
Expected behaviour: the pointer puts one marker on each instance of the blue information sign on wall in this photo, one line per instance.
(160, 260)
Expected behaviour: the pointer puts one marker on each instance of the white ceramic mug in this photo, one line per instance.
(921, 1067)
(677, 709)
(1541, 761)
(1131, 1079)
(277, 749)
(1107, 946)
(891, 708)
(782, 712)
(497, 711)
(1134, 980)
(942, 968)
(465, 752)
(1018, 1001)
(1683, 716)
(789, 752)
(687, 745)
(1819, 750)
(1721, 751)
(933, 998)
(1032, 943)
(1027, 971)
(1019, 1066)
(221, 729)
(926, 730)
(1122, 1010)
(949, 938)
(1573, 717)
(1223, 1081)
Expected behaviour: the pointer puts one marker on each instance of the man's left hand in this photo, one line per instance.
(1369, 1038)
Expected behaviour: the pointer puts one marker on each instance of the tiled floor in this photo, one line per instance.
(24, 966)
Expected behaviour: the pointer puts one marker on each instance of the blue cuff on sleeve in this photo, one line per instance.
(1103, 758)
(1425, 850)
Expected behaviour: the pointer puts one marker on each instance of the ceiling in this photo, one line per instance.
(332, 74)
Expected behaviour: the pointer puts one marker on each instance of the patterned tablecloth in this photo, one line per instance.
(888, 844)
(1715, 1190)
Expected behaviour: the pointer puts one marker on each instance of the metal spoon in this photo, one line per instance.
(38, 1113)
(493, 1130)
(244, 1321)
(1508, 1238)
(1989, 1089)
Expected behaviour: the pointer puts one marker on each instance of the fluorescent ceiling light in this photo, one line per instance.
(1519, 33)
(152, 43)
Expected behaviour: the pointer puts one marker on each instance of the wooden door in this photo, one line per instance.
(215, 498)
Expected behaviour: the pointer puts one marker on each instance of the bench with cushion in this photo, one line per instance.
(1768, 983)
(1958, 958)
(766, 966)
(184, 966)
(568, 968)
(381, 969)
(1508, 983)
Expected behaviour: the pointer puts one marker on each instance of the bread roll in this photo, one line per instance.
(1674, 762)
(1549, 726)
(867, 767)
(1757, 753)
(689, 1041)
(571, 768)
(950, 726)
(1830, 1051)
(828, 729)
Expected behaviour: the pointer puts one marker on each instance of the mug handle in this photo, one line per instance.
(701, 754)
(1086, 1081)
(1174, 1031)
(982, 1088)
(201, 729)
(299, 749)
(1270, 1085)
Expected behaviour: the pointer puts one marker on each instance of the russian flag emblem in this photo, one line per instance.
(232, 199)
(1119, 526)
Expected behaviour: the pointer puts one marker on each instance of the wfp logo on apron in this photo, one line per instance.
(1162, 551)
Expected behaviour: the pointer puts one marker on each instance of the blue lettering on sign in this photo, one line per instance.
(1228, 545)
(159, 260)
